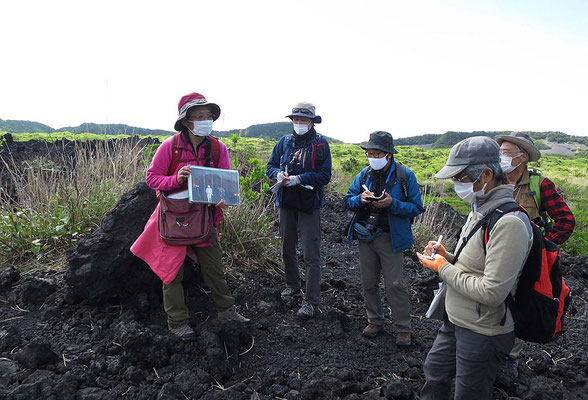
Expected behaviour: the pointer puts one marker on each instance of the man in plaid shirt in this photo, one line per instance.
(517, 150)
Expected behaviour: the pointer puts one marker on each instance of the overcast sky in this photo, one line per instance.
(408, 67)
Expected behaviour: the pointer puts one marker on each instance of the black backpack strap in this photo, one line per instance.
(488, 223)
(401, 175)
(482, 222)
(510, 303)
(207, 151)
(495, 215)
(365, 176)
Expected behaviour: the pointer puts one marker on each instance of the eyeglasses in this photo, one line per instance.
(509, 154)
(201, 117)
(454, 179)
(379, 154)
(302, 110)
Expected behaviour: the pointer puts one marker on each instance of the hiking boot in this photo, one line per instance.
(511, 367)
(306, 311)
(371, 330)
(231, 313)
(403, 339)
(291, 293)
(184, 332)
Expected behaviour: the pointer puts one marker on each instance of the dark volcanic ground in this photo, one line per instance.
(52, 346)
(98, 331)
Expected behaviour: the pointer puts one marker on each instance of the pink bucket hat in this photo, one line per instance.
(191, 100)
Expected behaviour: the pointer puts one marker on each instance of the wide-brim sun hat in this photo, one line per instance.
(307, 110)
(192, 100)
(523, 141)
(476, 150)
(380, 140)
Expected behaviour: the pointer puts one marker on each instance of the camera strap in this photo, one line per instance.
(369, 178)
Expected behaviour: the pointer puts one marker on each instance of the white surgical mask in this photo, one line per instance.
(378, 163)
(202, 128)
(300, 129)
(465, 191)
(506, 163)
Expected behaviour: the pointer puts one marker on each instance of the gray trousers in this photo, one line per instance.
(292, 222)
(469, 357)
(375, 259)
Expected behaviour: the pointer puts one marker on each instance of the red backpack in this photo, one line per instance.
(542, 296)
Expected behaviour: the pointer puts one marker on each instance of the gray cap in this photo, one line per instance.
(307, 110)
(471, 151)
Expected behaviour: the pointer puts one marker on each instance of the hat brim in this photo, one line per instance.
(390, 150)
(532, 151)
(315, 118)
(214, 108)
(449, 171)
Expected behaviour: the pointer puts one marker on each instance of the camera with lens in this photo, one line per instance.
(372, 220)
(292, 164)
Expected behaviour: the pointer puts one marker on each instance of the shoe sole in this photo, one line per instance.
(190, 336)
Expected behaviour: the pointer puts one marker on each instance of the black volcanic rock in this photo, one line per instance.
(101, 266)
(36, 355)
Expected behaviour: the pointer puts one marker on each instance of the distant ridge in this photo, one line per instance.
(272, 130)
(16, 126)
(448, 139)
(275, 130)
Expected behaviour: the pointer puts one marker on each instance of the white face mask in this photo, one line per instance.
(300, 129)
(378, 163)
(465, 191)
(201, 128)
(506, 163)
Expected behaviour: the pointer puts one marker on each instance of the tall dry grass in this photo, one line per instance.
(57, 201)
(433, 222)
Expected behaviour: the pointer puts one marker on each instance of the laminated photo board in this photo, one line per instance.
(210, 185)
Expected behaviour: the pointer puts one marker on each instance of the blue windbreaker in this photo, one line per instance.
(399, 213)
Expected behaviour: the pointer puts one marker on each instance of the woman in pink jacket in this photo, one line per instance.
(194, 146)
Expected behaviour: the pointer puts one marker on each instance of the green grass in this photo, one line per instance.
(570, 174)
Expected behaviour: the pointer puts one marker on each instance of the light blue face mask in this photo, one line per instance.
(202, 128)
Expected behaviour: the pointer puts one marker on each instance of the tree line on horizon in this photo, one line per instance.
(275, 130)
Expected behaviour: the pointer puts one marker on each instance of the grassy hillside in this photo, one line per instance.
(17, 126)
(448, 139)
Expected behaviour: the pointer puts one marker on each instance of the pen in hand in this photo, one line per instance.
(438, 242)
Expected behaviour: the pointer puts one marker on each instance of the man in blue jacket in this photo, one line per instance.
(301, 164)
(385, 196)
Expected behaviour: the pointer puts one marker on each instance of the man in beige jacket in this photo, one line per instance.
(478, 332)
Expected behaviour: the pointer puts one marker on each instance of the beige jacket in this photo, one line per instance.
(479, 283)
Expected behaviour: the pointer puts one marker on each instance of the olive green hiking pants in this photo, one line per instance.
(211, 266)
